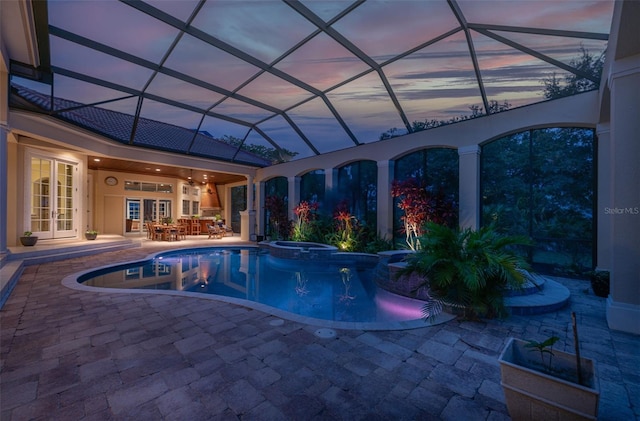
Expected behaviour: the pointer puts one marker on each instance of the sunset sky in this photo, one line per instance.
(437, 81)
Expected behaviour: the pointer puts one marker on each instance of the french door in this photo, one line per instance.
(51, 196)
(139, 212)
(156, 209)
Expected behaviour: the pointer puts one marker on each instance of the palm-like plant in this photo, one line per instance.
(466, 269)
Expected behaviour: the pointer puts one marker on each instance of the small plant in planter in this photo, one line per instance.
(91, 234)
(564, 386)
(544, 347)
(28, 239)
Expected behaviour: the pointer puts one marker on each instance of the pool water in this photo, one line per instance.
(320, 290)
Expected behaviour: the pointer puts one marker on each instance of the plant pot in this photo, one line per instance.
(90, 236)
(600, 283)
(28, 241)
(534, 394)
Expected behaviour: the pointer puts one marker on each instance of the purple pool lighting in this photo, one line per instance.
(338, 291)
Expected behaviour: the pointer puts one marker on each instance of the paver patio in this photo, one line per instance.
(71, 355)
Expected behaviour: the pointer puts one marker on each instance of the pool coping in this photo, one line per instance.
(71, 282)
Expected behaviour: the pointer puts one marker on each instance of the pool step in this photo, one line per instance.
(551, 296)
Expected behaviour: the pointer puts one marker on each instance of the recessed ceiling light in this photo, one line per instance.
(158, 169)
(96, 159)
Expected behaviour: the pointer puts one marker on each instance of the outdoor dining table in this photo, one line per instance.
(169, 232)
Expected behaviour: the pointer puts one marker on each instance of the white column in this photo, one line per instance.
(603, 220)
(623, 304)
(248, 217)
(469, 187)
(293, 194)
(260, 208)
(330, 189)
(385, 201)
(4, 117)
(250, 198)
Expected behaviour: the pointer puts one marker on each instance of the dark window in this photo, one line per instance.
(312, 187)
(238, 204)
(278, 187)
(540, 183)
(436, 169)
(357, 186)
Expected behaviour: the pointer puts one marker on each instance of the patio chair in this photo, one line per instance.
(226, 229)
(149, 227)
(172, 233)
(158, 232)
(182, 231)
(194, 227)
(214, 231)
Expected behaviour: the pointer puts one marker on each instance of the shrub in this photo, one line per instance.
(420, 206)
(466, 269)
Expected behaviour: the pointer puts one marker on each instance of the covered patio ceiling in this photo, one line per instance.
(198, 176)
(309, 77)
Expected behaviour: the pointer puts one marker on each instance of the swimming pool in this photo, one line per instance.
(311, 291)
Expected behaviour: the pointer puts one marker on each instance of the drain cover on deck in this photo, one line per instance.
(276, 322)
(325, 333)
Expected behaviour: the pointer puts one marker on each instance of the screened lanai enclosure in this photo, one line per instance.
(268, 82)
(302, 78)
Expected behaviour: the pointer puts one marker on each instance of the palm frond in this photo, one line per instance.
(467, 267)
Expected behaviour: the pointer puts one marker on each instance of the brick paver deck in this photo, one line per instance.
(77, 355)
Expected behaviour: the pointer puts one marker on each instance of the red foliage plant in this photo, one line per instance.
(305, 211)
(276, 208)
(420, 206)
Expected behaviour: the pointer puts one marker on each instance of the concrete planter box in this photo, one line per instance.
(532, 394)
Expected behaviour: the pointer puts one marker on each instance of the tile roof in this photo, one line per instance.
(118, 126)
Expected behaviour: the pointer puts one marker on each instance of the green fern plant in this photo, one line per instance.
(466, 269)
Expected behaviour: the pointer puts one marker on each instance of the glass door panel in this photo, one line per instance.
(150, 211)
(156, 209)
(65, 211)
(41, 213)
(164, 209)
(53, 197)
(133, 216)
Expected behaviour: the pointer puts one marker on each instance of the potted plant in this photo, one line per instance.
(600, 282)
(542, 383)
(28, 239)
(465, 271)
(91, 234)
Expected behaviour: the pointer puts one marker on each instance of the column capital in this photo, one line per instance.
(603, 128)
(469, 150)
